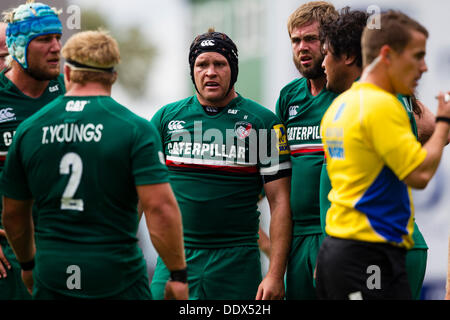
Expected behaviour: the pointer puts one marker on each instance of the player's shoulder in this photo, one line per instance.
(121, 116)
(296, 84)
(174, 108)
(371, 101)
(3, 79)
(44, 112)
(295, 90)
(57, 85)
(294, 87)
(255, 110)
(119, 112)
(179, 104)
(5, 83)
(34, 122)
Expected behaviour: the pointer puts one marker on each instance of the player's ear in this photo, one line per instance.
(350, 59)
(66, 71)
(67, 75)
(386, 53)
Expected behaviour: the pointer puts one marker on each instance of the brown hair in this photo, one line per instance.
(309, 12)
(395, 31)
(95, 49)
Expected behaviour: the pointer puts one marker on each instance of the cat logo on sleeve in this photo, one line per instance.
(283, 146)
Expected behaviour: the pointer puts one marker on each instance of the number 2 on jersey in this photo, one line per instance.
(72, 164)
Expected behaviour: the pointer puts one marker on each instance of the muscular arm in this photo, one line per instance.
(163, 219)
(277, 191)
(164, 223)
(19, 228)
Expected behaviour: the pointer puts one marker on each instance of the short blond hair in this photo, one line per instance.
(94, 49)
(320, 11)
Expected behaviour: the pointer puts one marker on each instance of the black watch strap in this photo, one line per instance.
(444, 119)
(179, 275)
(27, 266)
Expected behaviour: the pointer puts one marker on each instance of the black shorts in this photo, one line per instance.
(349, 269)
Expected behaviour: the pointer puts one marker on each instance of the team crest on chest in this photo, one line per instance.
(242, 129)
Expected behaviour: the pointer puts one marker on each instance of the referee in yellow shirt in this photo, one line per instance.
(373, 158)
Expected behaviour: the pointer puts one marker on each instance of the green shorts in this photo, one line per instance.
(216, 274)
(416, 264)
(12, 287)
(300, 269)
(140, 290)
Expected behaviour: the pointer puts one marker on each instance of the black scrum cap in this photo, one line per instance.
(215, 42)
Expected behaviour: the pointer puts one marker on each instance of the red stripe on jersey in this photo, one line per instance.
(307, 150)
(242, 169)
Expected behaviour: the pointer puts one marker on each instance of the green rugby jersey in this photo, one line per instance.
(16, 107)
(216, 163)
(302, 113)
(81, 159)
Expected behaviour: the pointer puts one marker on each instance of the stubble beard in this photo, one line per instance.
(40, 74)
(314, 71)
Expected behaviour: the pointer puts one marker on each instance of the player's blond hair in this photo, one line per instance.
(95, 49)
(310, 12)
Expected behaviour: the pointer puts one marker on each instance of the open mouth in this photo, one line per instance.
(53, 62)
(304, 60)
(212, 85)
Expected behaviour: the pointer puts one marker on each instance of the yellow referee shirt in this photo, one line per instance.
(370, 149)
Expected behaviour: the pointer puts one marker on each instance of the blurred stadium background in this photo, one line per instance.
(154, 38)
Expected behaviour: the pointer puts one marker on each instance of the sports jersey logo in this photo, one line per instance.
(207, 43)
(283, 147)
(176, 125)
(7, 115)
(76, 106)
(293, 111)
(233, 111)
(242, 129)
(54, 88)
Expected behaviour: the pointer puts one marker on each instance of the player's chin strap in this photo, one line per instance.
(370, 68)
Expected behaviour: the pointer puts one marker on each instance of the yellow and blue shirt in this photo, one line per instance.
(370, 149)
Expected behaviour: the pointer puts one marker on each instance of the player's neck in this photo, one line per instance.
(25, 83)
(354, 73)
(316, 85)
(88, 89)
(380, 79)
